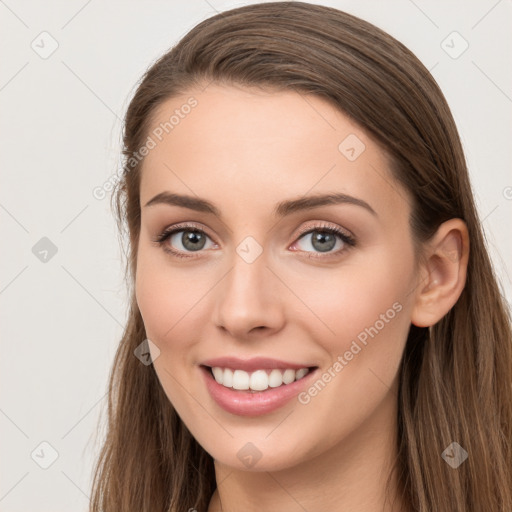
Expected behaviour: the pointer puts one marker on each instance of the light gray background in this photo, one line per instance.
(60, 133)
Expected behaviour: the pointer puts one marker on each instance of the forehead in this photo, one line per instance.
(256, 146)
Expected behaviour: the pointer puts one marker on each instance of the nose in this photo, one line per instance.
(248, 300)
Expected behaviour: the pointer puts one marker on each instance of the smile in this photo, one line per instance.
(259, 380)
(263, 385)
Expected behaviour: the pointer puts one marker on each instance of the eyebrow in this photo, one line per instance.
(282, 209)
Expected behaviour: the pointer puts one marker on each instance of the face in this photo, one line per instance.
(244, 270)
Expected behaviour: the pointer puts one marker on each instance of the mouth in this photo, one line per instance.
(255, 392)
(259, 380)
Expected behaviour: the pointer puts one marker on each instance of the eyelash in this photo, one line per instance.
(168, 232)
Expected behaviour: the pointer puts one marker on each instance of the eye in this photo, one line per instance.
(187, 238)
(324, 239)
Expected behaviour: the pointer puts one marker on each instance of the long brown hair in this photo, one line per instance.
(455, 377)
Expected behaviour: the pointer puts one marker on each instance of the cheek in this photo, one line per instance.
(163, 302)
(157, 297)
(370, 292)
(362, 318)
(170, 300)
(166, 302)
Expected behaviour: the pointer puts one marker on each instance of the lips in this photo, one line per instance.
(246, 401)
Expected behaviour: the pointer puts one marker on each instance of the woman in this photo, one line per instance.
(315, 323)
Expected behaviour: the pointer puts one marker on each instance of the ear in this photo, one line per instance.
(442, 274)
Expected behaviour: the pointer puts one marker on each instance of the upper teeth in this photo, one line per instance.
(258, 380)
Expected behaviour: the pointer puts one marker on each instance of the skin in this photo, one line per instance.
(245, 150)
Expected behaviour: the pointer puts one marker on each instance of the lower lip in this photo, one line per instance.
(247, 403)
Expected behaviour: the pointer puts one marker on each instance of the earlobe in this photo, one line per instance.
(443, 273)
